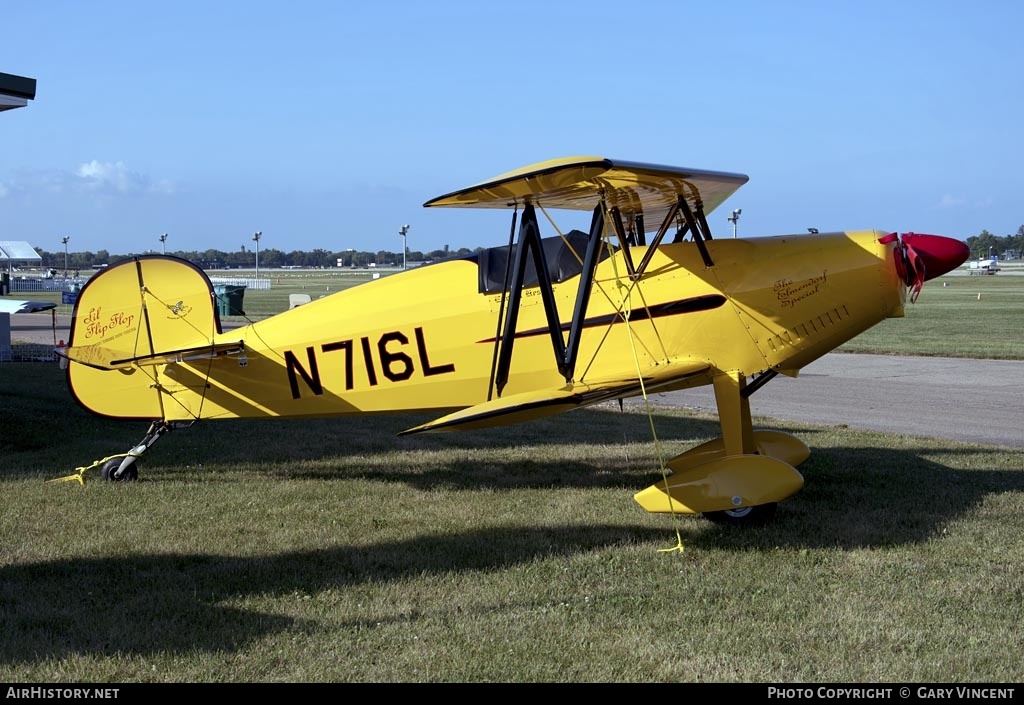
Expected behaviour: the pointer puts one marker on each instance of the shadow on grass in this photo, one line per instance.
(874, 498)
(871, 493)
(140, 605)
(38, 438)
(853, 497)
(137, 605)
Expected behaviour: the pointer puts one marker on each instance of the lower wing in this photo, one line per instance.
(548, 402)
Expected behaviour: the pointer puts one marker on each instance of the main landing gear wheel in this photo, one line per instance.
(130, 474)
(744, 516)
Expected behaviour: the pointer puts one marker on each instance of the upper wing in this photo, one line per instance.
(14, 306)
(578, 183)
(547, 402)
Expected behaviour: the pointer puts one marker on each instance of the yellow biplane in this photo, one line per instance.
(646, 301)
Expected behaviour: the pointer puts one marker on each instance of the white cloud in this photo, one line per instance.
(111, 176)
(948, 201)
(94, 178)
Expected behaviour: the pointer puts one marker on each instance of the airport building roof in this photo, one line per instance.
(16, 91)
(14, 251)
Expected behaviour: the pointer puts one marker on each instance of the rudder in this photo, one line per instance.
(134, 309)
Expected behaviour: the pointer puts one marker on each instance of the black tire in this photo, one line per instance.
(747, 516)
(130, 474)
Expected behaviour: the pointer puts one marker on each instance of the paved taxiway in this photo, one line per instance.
(975, 401)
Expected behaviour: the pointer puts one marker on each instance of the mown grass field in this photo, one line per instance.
(955, 316)
(337, 551)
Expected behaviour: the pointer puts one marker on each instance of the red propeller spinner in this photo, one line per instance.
(922, 257)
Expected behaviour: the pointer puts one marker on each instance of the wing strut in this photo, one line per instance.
(669, 217)
(761, 380)
(620, 233)
(529, 245)
(638, 227)
(501, 306)
(699, 227)
(583, 292)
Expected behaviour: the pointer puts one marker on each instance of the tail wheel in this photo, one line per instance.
(130, 474)
(744, 516)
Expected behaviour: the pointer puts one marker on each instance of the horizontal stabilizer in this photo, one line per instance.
(538, 404)
(103, 358)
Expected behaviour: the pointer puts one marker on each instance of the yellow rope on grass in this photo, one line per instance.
(79, 475)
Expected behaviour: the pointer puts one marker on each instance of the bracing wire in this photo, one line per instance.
(626, 308)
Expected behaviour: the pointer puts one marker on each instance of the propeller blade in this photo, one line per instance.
(922, 257)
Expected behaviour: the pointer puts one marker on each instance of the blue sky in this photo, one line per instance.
(328, 124)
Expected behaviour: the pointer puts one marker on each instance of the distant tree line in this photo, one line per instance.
(982, 246)
(986, 244)
(245, 258)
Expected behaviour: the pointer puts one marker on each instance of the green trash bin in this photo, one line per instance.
(229, 299)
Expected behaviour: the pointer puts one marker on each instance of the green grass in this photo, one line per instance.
(971, 316)
(334, 551)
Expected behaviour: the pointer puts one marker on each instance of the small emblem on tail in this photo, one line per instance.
(180, 309)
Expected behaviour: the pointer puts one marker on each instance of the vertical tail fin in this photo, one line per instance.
(139, 309)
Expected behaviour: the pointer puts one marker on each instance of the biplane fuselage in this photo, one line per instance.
(424, 339)
(541, 326)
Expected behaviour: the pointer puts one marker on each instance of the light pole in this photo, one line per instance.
(163, 244)
(403, 232)
(256, 238)
(65, 241)
(734, 218)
